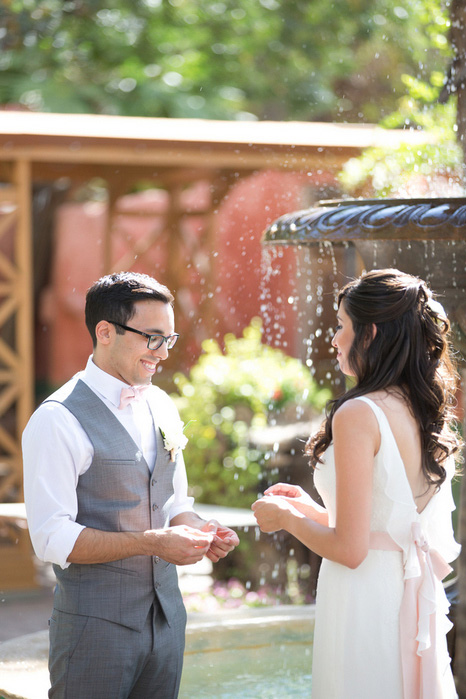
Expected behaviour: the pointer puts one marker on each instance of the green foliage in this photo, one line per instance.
(389, 171)
(223, 59)
(227, 393)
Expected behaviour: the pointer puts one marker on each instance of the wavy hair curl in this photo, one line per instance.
(410, 353)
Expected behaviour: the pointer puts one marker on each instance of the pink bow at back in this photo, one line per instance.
(418, 622)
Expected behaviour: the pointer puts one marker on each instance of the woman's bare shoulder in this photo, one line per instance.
(353, 409)
(355, 423)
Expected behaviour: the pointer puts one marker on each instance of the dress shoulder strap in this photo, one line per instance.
(371, 403)
(382, 420)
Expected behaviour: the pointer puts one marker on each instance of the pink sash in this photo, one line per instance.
(418, 616)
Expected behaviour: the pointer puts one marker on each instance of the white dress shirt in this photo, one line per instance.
(57, 451)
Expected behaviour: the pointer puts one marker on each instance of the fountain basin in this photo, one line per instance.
(244, 652)
(249, 653)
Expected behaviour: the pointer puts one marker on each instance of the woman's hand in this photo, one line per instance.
(271, 512)
(298, 498)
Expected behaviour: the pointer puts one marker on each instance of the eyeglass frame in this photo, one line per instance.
(163, 338)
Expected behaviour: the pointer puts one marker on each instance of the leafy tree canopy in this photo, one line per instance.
(435, 167)
(222, 59)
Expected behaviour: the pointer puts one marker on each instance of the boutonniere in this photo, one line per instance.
(174, 438)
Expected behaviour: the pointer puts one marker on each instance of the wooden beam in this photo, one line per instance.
(7, 308)
(8, 443)
(8, 356)
(7, 398)
(250, 158)
(7, 268)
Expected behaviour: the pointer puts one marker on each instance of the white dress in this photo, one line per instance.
(357, 649)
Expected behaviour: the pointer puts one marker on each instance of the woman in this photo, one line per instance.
(383, 463)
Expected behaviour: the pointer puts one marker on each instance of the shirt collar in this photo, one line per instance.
(108, 386)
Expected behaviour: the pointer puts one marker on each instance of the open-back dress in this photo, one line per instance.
(380, 630)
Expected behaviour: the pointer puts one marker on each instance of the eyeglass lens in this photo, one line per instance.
(157, 341)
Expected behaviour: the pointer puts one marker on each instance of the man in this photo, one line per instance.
(106, 496)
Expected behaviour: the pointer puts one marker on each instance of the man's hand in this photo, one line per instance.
(181, 544)
(224, 541)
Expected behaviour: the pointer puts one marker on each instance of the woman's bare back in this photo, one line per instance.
(407, 436)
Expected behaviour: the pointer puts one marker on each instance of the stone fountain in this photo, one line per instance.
(424, 237)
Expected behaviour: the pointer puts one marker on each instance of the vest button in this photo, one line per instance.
(156, 559)
(153, 481)
(154, 506)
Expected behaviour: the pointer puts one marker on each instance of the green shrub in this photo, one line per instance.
(227, 393)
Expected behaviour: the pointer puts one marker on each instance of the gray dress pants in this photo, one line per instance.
(96, 659)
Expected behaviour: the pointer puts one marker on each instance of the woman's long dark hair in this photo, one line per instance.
(410, 353)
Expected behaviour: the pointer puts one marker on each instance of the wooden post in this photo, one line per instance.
(16, 339)
(24, 287)
(17, 376)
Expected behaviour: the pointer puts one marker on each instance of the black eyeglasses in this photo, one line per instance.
(153, 341)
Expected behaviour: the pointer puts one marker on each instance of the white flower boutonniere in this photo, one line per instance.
(173, 438)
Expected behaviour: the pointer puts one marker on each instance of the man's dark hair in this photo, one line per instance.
(113, 297)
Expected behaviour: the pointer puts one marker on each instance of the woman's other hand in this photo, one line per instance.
(298, 498)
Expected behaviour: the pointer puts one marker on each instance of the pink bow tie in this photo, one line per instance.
(131, 393)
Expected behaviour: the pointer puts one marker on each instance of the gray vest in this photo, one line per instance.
(118, 493)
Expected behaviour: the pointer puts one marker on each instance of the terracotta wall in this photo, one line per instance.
(231, 272)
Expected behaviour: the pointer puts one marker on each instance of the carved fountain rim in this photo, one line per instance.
(344, 220)
(393, 200)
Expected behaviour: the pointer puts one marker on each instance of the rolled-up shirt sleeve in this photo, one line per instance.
(55, 452)
(182, 502)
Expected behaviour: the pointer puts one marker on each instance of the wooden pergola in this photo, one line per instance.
(37, 149)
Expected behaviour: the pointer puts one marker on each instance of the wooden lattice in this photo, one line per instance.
(16, 342)
(178, 247)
